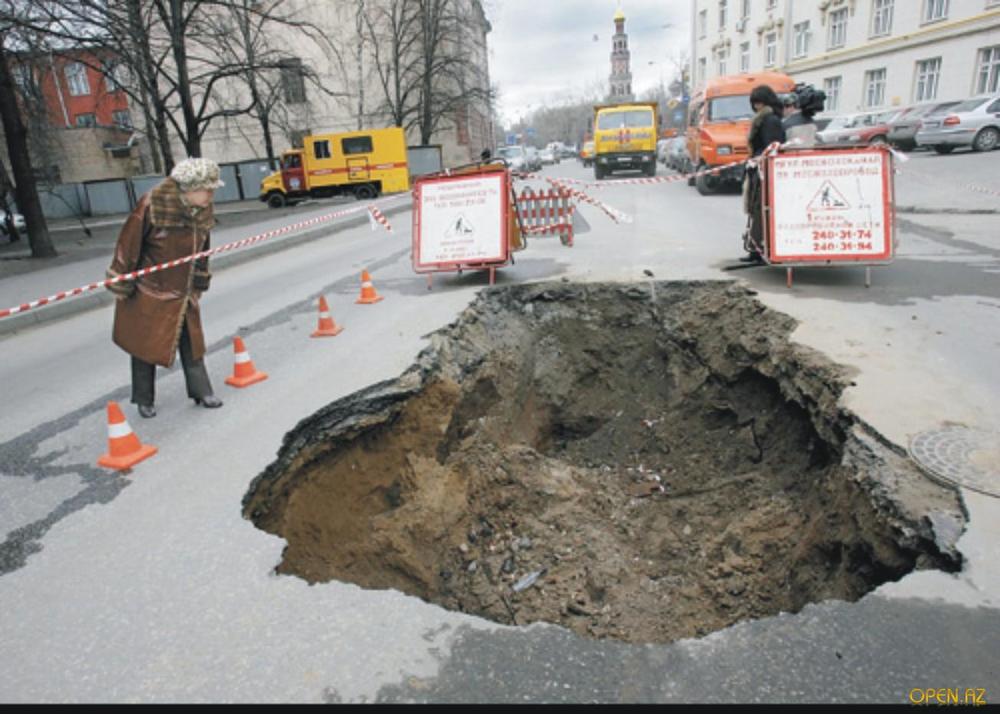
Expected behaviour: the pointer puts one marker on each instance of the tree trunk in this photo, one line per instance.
(192, 140)
(25, 190)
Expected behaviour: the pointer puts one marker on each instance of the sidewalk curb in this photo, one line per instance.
(99, 298)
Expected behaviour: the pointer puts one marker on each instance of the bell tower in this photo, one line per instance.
(621, 73)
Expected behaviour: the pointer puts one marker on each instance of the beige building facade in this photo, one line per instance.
(344, 93)
(866, 54)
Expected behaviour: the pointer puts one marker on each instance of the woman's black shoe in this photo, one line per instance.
(147, 411)
(209, 402)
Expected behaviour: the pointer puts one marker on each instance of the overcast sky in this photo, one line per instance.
(543, 51)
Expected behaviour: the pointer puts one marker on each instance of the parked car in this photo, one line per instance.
(903, 129)
(568, 152)
(661, 150)
(547, 157)
(677, 154)
(515, 157)
(868, 128)
(587, 154)
(974, 123)
(534, 160)
(19, 223)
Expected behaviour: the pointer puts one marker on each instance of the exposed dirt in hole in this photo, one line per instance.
(659, 467)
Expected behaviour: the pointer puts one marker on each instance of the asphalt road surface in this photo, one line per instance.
(151, 586)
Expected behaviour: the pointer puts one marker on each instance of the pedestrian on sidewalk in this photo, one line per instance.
(765, 129)
(158, 314)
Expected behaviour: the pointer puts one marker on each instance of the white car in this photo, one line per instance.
(515, 157)
(19, 223)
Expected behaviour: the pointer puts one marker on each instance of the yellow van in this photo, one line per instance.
(625, 138)
(360, 163)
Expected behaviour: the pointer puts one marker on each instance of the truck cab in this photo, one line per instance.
(719, 117)
(625, 138)
(360, 163)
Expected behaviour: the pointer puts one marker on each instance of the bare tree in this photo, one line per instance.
(391, 28)
(16, 135)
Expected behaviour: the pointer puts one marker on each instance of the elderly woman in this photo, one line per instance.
(157, 315)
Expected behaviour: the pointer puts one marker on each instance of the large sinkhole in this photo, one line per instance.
(640, 462)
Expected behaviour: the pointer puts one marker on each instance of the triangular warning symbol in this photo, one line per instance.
(828, 198)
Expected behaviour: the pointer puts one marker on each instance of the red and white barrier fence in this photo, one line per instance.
(237, 245)
(547, 213)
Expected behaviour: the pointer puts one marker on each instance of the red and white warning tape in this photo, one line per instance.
(237, 245)
(379, 218)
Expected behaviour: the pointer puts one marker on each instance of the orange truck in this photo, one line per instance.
(719, 118)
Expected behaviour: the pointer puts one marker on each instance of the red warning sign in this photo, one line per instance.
(830, 205)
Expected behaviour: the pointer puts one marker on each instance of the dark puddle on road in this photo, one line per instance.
(644, 463)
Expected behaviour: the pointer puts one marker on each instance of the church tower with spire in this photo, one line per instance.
(621, 73)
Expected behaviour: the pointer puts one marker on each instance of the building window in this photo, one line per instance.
(988, 75)
(86, 120)
(293, 81)
(928, 75)
(935, 10)
(771, 4)
(882, 17)
(802, 33)
(838, 28)
(702, 69)
(770, 49)
(114, 76)
(321, 149)
(122, 118)
(745, 57)
(703, 24)
(832, 85)
(723, 13)
(723, 59)
(875, 88)
(24, 78)
(745, 10)
(76, 79)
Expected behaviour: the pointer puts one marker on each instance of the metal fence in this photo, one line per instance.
(116, 196)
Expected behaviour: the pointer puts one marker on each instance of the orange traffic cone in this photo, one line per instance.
(124, 448)
(244, 373)
(368, 294)
(327, 327)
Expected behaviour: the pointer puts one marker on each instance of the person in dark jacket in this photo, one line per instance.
(765, 129)
(158, 314)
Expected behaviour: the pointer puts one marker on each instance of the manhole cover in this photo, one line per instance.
(960, 456)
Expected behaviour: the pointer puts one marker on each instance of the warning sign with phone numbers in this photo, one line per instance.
(830, 206)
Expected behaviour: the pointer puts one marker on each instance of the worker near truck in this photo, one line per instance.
(765, 129)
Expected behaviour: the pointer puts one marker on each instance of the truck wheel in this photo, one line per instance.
(276, 200)
(707, 185)
(598, 172)
(651, 171)
(986, 140)
(365, 192)
(689, 169)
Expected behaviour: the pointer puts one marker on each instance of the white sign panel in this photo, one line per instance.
(830, 206)
(461, 221)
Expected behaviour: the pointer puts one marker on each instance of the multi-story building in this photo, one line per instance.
(78, 117)
(866, 54)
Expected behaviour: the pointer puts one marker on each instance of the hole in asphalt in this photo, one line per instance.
(642, 462)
